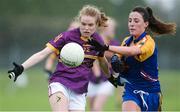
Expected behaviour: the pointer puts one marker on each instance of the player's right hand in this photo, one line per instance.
(97, 46)
(14, 73)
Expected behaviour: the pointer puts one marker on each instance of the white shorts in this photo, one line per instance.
(103, 88)
(76, 101)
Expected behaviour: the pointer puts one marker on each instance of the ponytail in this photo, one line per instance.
(156, 26)
(159, 27)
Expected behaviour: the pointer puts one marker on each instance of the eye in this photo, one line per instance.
(130, 20)
(136, 20)
(84, 24)
(91, 25)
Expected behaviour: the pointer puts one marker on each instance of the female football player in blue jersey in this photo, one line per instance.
(136, 60)
(68, 86)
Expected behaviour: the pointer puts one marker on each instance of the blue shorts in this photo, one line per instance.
(146, 101)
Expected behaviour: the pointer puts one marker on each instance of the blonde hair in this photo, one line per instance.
(93, 11)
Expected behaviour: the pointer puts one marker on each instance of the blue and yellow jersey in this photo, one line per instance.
(143, 68)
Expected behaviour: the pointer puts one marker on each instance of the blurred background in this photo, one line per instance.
(27, 25)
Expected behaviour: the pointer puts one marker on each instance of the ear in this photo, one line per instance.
(146, 24)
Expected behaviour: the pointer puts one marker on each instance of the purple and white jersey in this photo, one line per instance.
(76, 78)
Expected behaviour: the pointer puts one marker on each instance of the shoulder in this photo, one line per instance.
(147, 47)
(73, 32)
(146, 41)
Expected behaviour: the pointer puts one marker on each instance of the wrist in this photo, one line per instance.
(21, 69)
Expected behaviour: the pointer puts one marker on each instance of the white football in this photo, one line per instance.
(72, 54)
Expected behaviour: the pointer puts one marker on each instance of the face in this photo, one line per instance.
(87, 25)
(136, 24)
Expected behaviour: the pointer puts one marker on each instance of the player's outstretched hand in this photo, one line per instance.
(14, 73)
(97, 46)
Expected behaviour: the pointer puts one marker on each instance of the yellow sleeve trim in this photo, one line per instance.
(53, 48)
(147, 46)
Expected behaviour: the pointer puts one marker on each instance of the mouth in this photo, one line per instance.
(86, 32)
(131, 30)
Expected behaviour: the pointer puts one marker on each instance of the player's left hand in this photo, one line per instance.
(115, 63)
(14, 73)
(118, 66)
(113, 81)
(97, 46)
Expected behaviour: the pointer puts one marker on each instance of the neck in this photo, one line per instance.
(85, 38)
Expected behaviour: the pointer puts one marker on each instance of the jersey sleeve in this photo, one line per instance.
(57, 43)
(147, 46)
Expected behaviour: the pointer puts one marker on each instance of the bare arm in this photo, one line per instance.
(104, 66)
(36, 58)
(50, 62)
(96, 69)
(128, 51)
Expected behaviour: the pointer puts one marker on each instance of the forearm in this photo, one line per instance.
(123, 50)
(36, 58)
(50, 62)
(104, 66)
(96, 69)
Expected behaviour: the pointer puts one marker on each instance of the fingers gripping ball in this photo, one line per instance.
(72, 55)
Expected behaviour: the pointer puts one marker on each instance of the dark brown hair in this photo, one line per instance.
(156, 26)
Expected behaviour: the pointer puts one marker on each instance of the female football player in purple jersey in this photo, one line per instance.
(68, 86)
(137, 60)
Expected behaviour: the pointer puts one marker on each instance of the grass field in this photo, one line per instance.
(34, 96)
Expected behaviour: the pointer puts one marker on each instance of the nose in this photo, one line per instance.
(131, 24)
(86, 27)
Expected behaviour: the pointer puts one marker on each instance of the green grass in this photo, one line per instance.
(34, 96)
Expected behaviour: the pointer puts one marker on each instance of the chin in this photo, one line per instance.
(133, 33)
(86, 35)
